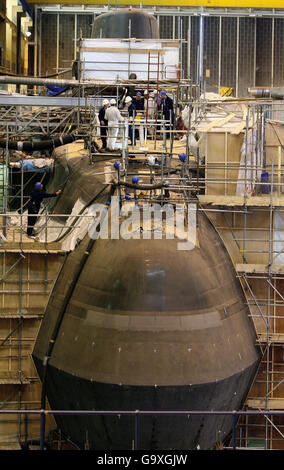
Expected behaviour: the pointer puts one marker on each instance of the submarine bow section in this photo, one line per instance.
(148, 327)
(124, 23)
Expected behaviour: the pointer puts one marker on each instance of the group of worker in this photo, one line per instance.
(153, 105)
(110, 115)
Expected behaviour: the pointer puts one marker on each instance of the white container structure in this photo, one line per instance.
(113, 59)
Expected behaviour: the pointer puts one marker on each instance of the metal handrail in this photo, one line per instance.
(136, 413)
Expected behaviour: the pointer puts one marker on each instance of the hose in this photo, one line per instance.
(80, 213)
(141, 186)
(43, 145)
(10, 74)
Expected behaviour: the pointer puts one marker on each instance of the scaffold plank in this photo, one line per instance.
(217, 123)
(10, 446)
(24, 313)
(12, 378)
(260, 403)
(240, 127)
(30, 250)
(59, 101)
(261, 201)
(25, 316)
(32, 247)
(259, 268)
(274, 338)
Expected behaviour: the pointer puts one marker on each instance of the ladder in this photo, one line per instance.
(3, 197)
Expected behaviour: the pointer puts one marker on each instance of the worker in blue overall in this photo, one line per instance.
(37, 195)
(138, 101)
(130, 108)
(166, 110)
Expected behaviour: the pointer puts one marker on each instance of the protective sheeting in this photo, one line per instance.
(4, 179)
(278, 236)
(111, 59)
(40, 165)
(218, 110)
(249, 176)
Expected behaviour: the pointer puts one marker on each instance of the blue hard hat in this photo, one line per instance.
(182, 157)
(138, 93)
(135, 179)
(163, 93)
(116, 165)
(38, 185)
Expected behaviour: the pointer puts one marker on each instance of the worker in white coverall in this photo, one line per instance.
(113, 117)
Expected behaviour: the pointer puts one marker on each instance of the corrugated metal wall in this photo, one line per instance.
(239, 52)
(278, 52)
(48, 44)
(246, 54)
(263, 74)
(57, 46)
(66, 48)
(211, 53)
(228, 52)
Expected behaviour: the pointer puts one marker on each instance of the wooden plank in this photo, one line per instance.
(260, 403)
(258, 201)
(274, 338)
(12, 378)
(171, 43)
(10, 446)
(27, 245)
(240, 127)
(251, 268)
(26, 313)
(217, 123)
(259, 268)
(52, 252)
(23, 317)
(221, 200)
(121, 50)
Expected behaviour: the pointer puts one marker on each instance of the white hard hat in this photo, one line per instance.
(105, 101)
(146, 92)
(155, 92)
(127, 99)
(151, 159)
(112, 101)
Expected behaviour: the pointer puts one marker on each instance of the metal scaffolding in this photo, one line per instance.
(196, 182)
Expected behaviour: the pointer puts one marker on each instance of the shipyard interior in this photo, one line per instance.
(141, 225)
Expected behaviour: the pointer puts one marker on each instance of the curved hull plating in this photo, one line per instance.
(148, 327)
(156, 432)
(125, 21)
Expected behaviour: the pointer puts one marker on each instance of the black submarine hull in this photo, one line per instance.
(124, 23)
(148, 327)
(154, 432)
